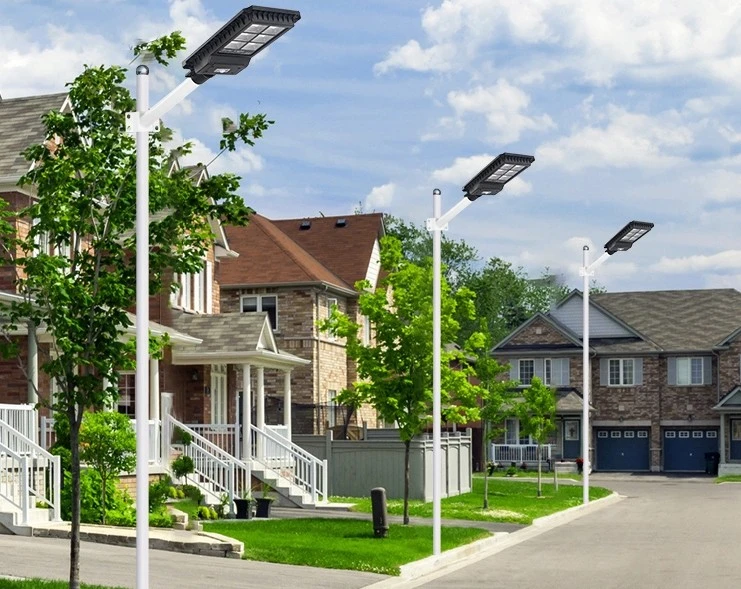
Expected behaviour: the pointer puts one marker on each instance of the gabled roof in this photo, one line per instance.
(731, 402)
(343, 244)
(231, 338)
(270, 257)
(678, 320)
(555, 324)
(20, 127)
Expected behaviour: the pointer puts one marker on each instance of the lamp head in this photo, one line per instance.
(230, 49)
(496, 174)
(624, 239)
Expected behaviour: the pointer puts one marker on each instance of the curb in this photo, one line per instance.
(436, 566)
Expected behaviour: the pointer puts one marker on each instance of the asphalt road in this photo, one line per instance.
(668, 533)
(115, 565)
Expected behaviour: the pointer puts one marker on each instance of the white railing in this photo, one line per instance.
(225, 436)
(29, 475)
(519, 453)
(48, 436)
(291, 462)
(22, 418)
(215, 469)
(280, 430)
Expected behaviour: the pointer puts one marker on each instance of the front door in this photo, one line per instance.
(735, 439)
(571, 438)
(219, 408)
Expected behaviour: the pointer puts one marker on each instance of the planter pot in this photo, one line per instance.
(263, 506)
(244, 508)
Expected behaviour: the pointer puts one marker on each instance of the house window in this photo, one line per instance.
(40, 240)
(571, 430)
(689, 371)
(331, 304)
(262, 303)
(556, 371)
(331, 408)
(527, 371)
(736, 430)
(194, 291)
(512, 433)
(127, 394)
(218, 394)
(366, 331)
(621, 372)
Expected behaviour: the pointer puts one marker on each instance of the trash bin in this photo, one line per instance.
(712, 460)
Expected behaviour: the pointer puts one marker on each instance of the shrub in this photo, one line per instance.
(192, 492)
(172, 492)
(511, 471)
(116, 517)
(158, 493)
(204, 512)
(160, 519)
(182, 466)
(212, 513)
(181, 493)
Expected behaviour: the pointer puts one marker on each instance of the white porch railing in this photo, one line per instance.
(291, 462)
(22, 418)
(225, 436)
(519, 453)
(216, 470)
(48, 436)
(29, 475)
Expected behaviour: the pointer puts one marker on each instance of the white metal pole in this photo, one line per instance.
(436, 404)
(587, 379)
(142, 333)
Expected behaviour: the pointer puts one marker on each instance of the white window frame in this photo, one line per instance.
(685, 371)
(219, 395)
(132, 399)
(547, 370)
(568, 423)
(519, 370)
(258, 305)
(366, 330)
(622, 367)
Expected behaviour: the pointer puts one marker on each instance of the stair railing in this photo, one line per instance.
(291, 463)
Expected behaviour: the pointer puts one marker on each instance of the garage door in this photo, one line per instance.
(622, 448)
(684, 448)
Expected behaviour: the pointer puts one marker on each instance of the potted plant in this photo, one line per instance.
(580, 465)
(244, 505)
(264, 502)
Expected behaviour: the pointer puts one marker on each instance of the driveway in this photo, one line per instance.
(669, 532)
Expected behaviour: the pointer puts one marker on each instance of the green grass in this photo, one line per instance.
(186, 506)
(339, 543)
(43, 584)
(509, 501)
(729, 478)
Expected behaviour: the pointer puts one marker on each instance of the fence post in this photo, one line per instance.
(325, 481)
(57, 478)
(313, 481)
(24, 489)
(166, 425)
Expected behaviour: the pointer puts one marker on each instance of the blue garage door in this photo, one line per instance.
(622, 448)
(684, 448)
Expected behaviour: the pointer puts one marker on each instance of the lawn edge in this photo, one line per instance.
(461, 556)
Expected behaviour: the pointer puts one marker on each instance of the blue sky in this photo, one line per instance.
(630, 108)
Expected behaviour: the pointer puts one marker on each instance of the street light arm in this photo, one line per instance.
(167, 103)
(589, 270)
(440, 223)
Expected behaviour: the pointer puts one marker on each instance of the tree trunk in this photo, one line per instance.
(540, 492)
(407, 443)
(103, 494)
(74, 548)
(486, 465)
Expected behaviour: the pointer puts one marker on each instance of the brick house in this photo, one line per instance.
(665, 377)
(296, 271)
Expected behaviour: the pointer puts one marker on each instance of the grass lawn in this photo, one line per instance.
(729, 478)
(186, 506)
(529, 474)
(42, 584)
(509, 501)
(338, 543)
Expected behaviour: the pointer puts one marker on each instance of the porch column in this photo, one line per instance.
(722, 448)
(287, 402)
(154, 388)
(260, 398)
(32, 394)
(246, 412)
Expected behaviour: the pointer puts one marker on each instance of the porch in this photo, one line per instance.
(730, 433)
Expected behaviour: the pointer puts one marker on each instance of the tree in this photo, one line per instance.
(496, 395)
(108, 444)
(85, 181)
(537, 415)
(396, 373)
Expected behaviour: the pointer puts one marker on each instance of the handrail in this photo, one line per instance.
(22, 418)
(214, 466)
(40, 481)
(291, 462)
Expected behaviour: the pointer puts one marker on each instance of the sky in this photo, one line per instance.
(631, 109)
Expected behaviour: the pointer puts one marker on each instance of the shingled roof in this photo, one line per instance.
(20, 127)
(280, 252)
(678, 320)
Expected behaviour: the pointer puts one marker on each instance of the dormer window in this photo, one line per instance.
(262, 303)
(195, 291)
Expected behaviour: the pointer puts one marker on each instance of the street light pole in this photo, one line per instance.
(623, 240)
(490, 180)
(226, 52)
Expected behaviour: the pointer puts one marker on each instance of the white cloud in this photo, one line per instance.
(380, 197)
(718, 186)
(725, 260)
(503, 105)
(412, 57)
(242, 162)
(627, 140)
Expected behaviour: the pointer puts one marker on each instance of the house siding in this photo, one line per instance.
(571, 314)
